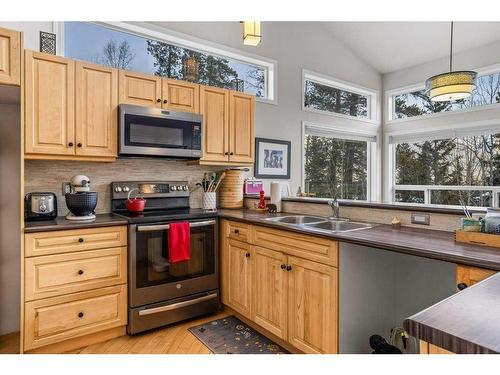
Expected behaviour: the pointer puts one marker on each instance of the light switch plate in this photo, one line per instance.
(420, 218)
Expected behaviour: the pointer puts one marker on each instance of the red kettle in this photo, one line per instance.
(135, 204)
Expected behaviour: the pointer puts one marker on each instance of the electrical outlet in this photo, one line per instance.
(419, 218)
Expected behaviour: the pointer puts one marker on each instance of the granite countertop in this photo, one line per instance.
(414, 241)
(60, 223)
(466, 322)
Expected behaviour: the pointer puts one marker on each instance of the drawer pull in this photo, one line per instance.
(80, 272)
(80, 240)
(80, 314)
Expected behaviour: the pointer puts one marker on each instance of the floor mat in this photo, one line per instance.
(231, 336)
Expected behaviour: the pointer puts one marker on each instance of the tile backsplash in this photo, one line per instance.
(48, 175)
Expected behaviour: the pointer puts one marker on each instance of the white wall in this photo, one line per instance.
(31, 31)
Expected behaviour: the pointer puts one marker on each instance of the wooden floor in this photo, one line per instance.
(175, 339)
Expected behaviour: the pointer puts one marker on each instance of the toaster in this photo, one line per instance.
(40, 206)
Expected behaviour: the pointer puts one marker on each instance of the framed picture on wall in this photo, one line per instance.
(272, 158)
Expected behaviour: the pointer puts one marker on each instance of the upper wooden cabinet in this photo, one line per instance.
(140, 89)
(229, 126)
(180, 96)
(241, 127)
(10, 57)
(215, 111)
(49, 104)
(96, 110)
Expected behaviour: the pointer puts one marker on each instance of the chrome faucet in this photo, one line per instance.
(334, 204)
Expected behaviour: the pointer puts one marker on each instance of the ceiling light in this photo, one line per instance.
(251, 33)
(451, 86)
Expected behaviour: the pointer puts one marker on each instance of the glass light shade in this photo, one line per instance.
(451, 86)
(251, 33)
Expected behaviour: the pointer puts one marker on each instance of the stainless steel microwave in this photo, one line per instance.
(146, 131)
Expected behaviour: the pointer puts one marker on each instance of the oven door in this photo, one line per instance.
(152, 278)
(156, 132)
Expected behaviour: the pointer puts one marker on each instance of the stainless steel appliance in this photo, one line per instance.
(146, 131)
(161, 293)
(40, 206)
(81, 202)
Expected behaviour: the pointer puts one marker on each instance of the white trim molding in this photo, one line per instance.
(373, 107)
(143, 29)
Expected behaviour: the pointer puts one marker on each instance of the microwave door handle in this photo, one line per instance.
(149, 228)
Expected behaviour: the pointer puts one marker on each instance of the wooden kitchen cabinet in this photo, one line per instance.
(239, 278)
(269, 302)
(180, 95)
(428, 348)
(96, 110)
(469, 275)
(49, 104)
(10, 57)
(140, 89)
(241, 127)
(312, 306)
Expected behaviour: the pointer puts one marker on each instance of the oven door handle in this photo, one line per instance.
(178, 305)
(149, 228)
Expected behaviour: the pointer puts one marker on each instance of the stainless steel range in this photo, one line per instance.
(161, 292)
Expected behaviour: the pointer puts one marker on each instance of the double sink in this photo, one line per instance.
(320, 224)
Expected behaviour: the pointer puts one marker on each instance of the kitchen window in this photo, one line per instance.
(326, 95)
(451, 168)
(417, 103)
(336, 163)
(130, 47)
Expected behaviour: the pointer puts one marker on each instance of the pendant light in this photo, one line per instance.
(451, 86)
(251, 33)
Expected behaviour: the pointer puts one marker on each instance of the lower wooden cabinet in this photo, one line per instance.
(269, 302)
(468, 275)
(428, 348)
(291, 297)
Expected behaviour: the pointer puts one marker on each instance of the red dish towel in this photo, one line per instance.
(179, 242)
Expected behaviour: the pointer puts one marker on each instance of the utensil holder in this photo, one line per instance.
(209, 200)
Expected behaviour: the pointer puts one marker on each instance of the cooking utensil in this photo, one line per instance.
(136, 204)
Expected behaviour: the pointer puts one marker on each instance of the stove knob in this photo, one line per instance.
(118, 189)
(184, 188)
(126, 189)
(173, 188)
(179, 187)
(42, 207)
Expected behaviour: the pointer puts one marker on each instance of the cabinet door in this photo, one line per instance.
(96, 110)
(312, 306)
(180, 95)
(10, 57)
(215, 111)
(241, 128)
(269, 303)
(239, 261)
(49, 104)
(140, 89)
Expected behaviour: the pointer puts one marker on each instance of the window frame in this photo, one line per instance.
(161, 34)
(390, 94)
(371, 154)
(372, 96)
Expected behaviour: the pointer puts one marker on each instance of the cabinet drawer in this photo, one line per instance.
(305, 246)
(54, 275)
(469, 275)
(66, 241)
(238, 231)
(52, 320)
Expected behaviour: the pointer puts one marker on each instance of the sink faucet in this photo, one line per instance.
(334, 204)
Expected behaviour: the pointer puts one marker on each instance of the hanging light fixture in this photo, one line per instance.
(451, 86)
(251, 33)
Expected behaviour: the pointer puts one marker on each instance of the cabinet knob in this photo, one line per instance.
(80, 240)
(80, 272)
(462, 286)
(247, 255)
(236, 231)
(283, 266)
(231, 153)
(158, 100)
(78, 145)
(165, 101)
(288, 268)
(226, 153)
(80, 314)
(70, 144)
